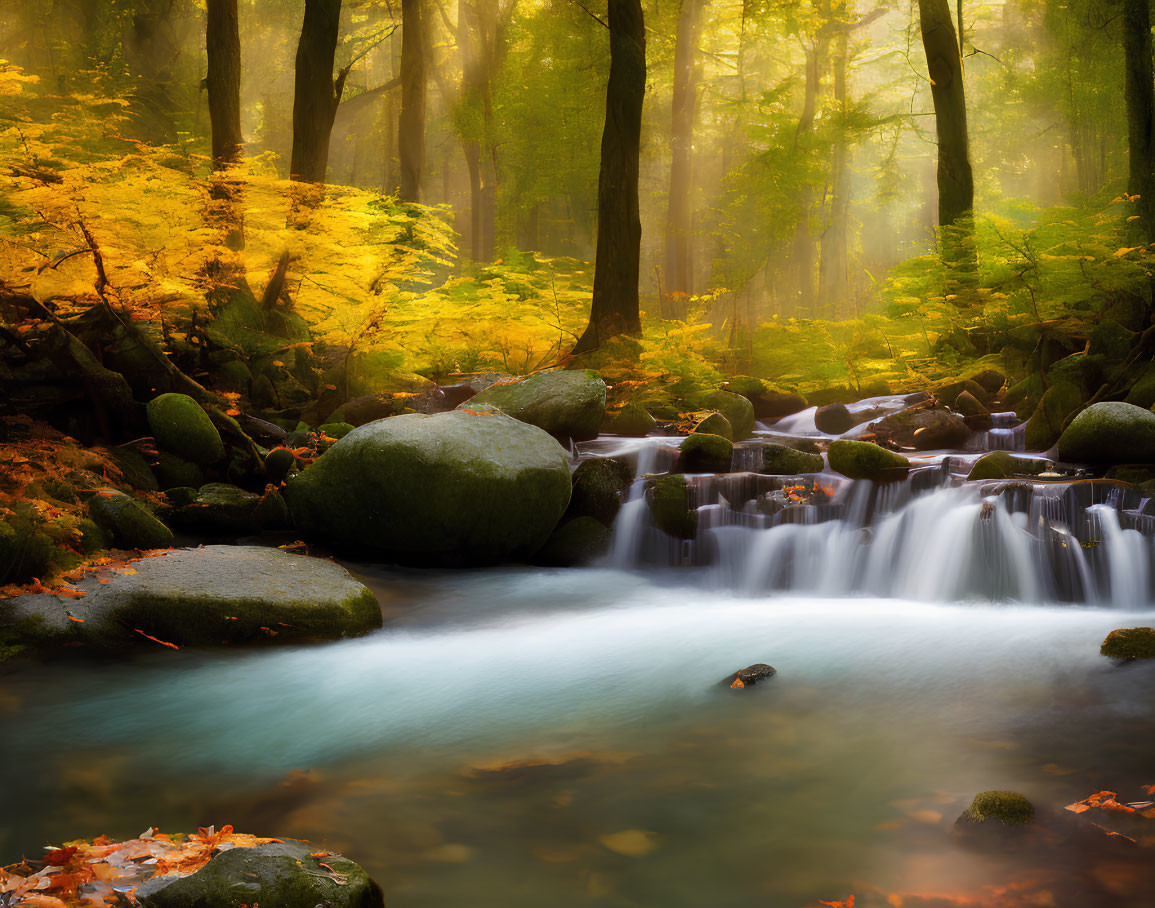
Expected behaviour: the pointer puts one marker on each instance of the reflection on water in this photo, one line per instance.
(520, 737)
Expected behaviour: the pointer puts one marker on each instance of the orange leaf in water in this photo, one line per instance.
(849, 903)
(77, 620)
(156, 639)
(737, 683)
(60, 856)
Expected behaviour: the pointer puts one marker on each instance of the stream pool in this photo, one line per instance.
(529, 737)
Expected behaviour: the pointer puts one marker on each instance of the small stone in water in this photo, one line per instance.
(750, 675)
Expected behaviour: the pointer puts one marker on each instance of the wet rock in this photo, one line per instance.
(1142, 393)
(180, 426)
(336, 429)
(737, 410)
(1111, 340)
(261, 431)
(864, 460)
(990, 380)
(455, 486)
(969, 405)
(669, 500)
(202, 597)
(279, 463)
(999, 809)
(598, 487)
(768, 401)
(136, 470)
(715, 424)
(834, 419)
(127, 522)
(1025, 395)
(277, 875)
(1130, 643)
(1080, 369)
(221, 509)
(1141, 476)
(779, 460)
(1110, 432)
(565, 403)
(361, 410)
(576, 542)
(456, 395)
(1002, 465)
(703, 453)
(630, 419)
(749, 676)
(1046, 423)
(923, 428)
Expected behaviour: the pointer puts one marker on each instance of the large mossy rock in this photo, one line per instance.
(738, 411)
(1142, 392)
(277, 875)
(1003, 465)
(222, 509)
(705, 453)
(599, 485)
(864, 460)
(923, 428)
(456, 486)
(1130, 643)
(576, 542)
(129, 524)
(630, 419)
(566, 403)
(1046, 423)
(769, 402)
(201, 597)
(669, 500)
(180, 425)
(779, 460)
(1108, 433)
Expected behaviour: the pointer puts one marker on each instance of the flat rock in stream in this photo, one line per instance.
(201, 597)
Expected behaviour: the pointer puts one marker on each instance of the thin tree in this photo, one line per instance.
(1138, 90)
(411, 124)
(615, 309)
(316, 94)
(223, 80)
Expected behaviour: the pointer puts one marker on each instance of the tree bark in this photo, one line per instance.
(956, 194)
(223, 80)
(679, 220)
(615, 309)
(1139, 91)
(411, 125)
(316, 94)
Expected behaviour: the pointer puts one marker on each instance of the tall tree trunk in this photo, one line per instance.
(615, 308)
(411, 127)
(316, 94)
(802, 253)
(956, 193)
(223, 80)
(833, 269)
(679, 220)
(1138, 90)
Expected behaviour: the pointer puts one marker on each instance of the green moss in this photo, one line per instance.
(748, 386)
(598, 486)
(566, 403)
(779, 460)
(705, 453)
(1046, 423)
(336, 429)
(576, 542)
(136, 470)
(669, 500)
(864, 460)
(1130, 643)
(1001, 465)
(127, 522)
(180, 425)
(1007, 808)
(1108, 433)
(736, 408)
(631, 419)
(715, 424)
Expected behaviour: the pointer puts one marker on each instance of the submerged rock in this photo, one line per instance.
(1110, 432)
(129, 524)
(998, 809)
(864, 460)
(455, 486)
(923, 428)
(749, 676)
(669, 499)
(200, 597)
(180, 425)
(780, 460)
(1130, 643)
(285, 874)
(705, 453)
(1002, 465)
(1046, 423)
(576, 542)
(566, 403)
(598, 486)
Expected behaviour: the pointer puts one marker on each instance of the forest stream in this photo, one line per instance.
(521, 736)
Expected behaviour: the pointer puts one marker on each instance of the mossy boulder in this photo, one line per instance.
(739, 412)
(127, 522)
(1130, 643)
(769, 402)
(454, 486)
(834, 419)
(336, 429)
(598, 487)
(172, 471)
(630, 419)
(1080, 369)
(1110, 432)
(703, 453)
(999, 809)
(1002, 465)
(865, 460)
(990, 380)
(969, 405)
(279, 463)
(923, 428)
(1142, 393)
(779, 460)
(576, 542)
(1023, 397)
(222, 509)
(715, 424)
(180, 425)
(277, 875)
(134, 468)
(669, 500)
(1046, 423)
(202, 597)
(565, 403)
(1110, 340)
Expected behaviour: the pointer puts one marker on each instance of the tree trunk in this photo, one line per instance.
(833, 268)
(679, 221)
(1138, 90)
(615, 308)
(803, 251)
(956, 194)
(411, 127)
(223, 80)
(315, 95)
